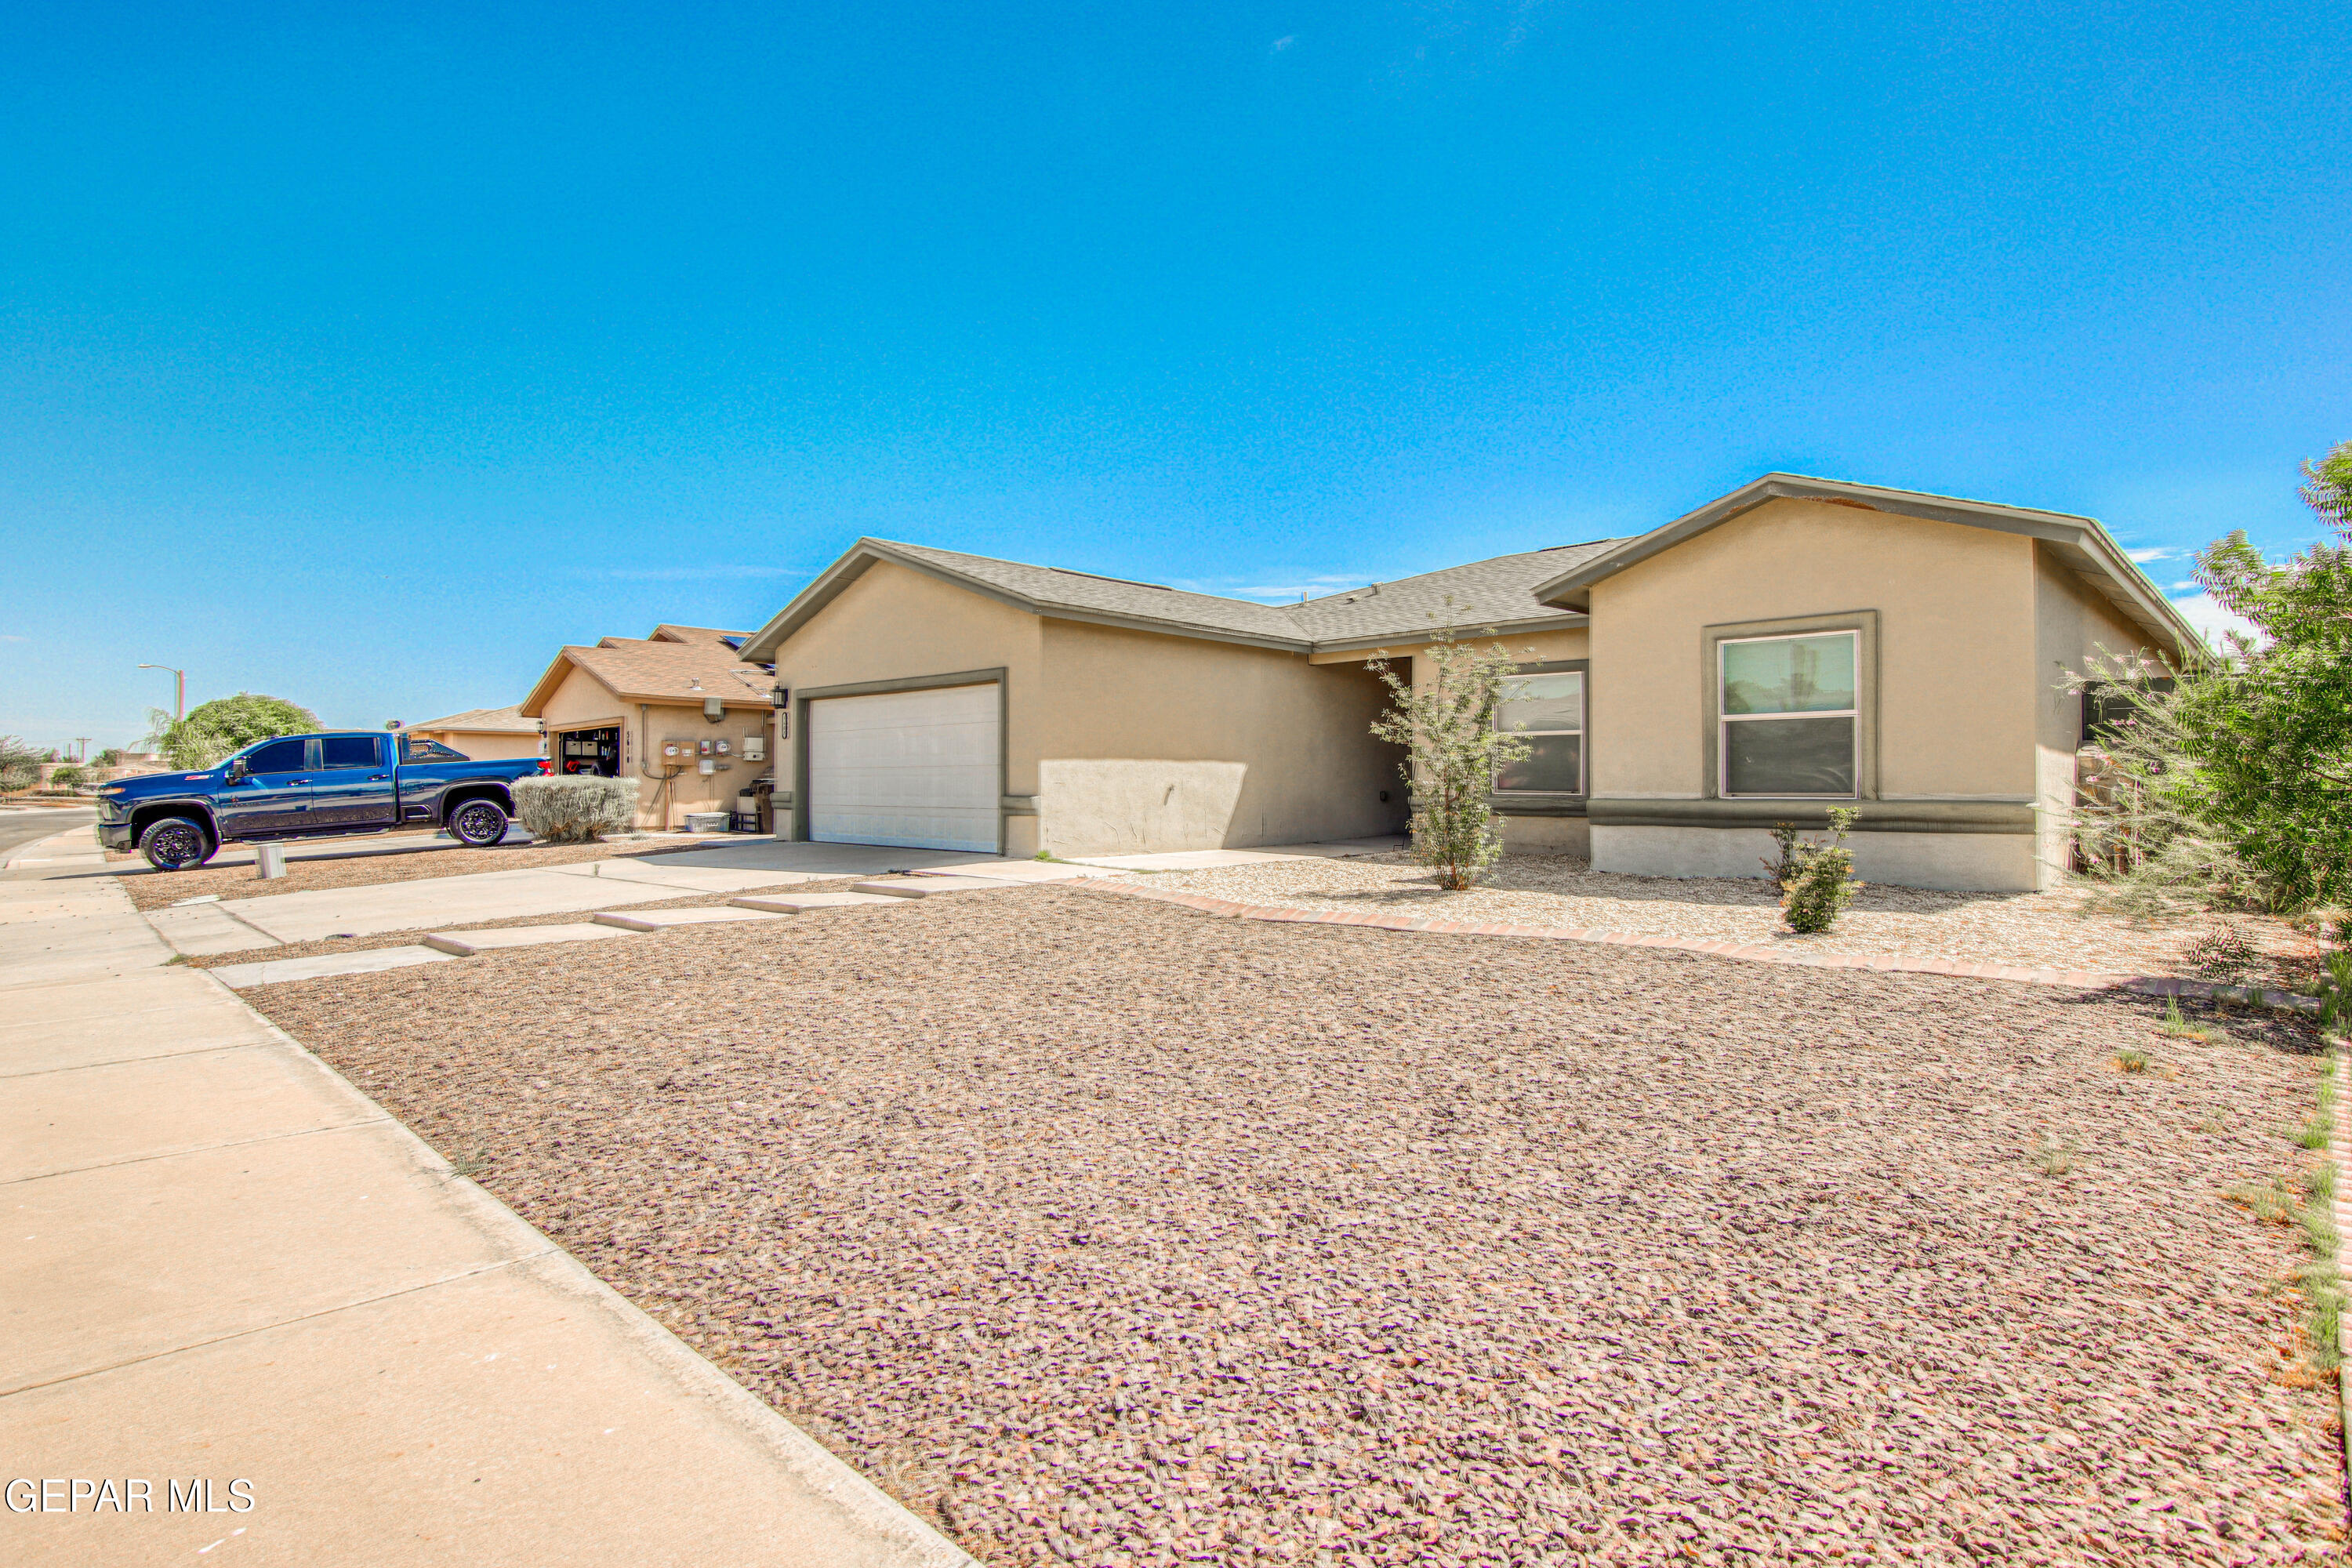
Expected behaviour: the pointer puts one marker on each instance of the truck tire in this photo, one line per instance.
(175, 843)
(477, 824)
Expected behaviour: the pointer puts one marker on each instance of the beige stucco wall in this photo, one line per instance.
(1149, 743)
(582, 701)
(1957, 658)
(2073, 625)
(897, 623)
(1129, 742)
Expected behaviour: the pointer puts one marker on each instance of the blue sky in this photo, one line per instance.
(364, 355)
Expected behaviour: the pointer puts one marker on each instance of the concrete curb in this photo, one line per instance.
(1885, 963)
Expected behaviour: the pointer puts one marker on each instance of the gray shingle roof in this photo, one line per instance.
(1493, 592)
(1049, 588)
(1496, 593)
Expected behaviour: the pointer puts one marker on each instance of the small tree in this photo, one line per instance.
(67, 777)
(110, 758)
(19, 764)
(1447, 725)
(2233, 784)
(225, 724)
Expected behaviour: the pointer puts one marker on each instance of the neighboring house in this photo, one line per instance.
(682, 710)
(485, 734)
(1797, 645)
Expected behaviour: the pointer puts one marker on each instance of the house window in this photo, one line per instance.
(1787, 727)
(1546, 711)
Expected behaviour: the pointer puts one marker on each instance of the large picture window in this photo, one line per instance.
(1788, 720)
(1546, 711)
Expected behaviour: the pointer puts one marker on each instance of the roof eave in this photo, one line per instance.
(2111, 570)
(764, 646)
(1415, 639)
(547, 684)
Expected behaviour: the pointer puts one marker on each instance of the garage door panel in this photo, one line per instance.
(913, 768)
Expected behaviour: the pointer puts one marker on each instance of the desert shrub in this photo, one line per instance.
(67, 777)
(1789, 838)
(2226, 783)
(1822, 884)
(576, 808)
(1447, 725)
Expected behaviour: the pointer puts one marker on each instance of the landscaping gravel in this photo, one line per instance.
(2045, 930)
(1107, 1232)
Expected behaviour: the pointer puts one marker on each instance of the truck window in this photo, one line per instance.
(420, 750)
(350, 751)
(277, 757)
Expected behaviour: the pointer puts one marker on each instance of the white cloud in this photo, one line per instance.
(2154, 552)
(2200, 611)
(6, 637)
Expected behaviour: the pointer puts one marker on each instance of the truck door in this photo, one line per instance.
(273, 796)
(352, 787)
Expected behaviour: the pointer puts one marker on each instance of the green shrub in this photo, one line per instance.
(67, 777)
(1821, 887)
(576, 808)
(1447, 724)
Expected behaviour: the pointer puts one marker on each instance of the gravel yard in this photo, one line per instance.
(152, 889)
(2043, 930)
(1107, 1232)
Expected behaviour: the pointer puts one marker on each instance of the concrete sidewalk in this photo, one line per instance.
(224, 1263)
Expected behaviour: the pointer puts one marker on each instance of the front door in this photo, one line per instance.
(274, 796)
(352, 787)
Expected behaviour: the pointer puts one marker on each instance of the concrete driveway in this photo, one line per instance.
(234, 925)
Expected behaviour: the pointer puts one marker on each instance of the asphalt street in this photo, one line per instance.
(24, 823)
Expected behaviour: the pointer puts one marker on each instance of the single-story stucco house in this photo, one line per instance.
(682, 710)
(1797, 645)
(485, 734)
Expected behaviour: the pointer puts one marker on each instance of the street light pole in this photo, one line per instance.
(180, 701)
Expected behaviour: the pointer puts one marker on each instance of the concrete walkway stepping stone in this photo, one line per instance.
(920, 887)
(796, 903)
(238, 976)
(466, 943)
(663, 919)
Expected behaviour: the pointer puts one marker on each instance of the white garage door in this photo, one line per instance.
(916, 768)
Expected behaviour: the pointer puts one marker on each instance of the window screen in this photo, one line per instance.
(277, 757)
(350, 751)
(1546, 711)
(1787, 727)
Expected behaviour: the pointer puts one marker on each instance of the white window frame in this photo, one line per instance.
(1584, 722)
(1724, 720)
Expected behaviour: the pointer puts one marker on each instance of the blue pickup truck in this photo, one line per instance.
(311, 786)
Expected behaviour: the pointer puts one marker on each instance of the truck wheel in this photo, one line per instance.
(477, 824)
(176, 844)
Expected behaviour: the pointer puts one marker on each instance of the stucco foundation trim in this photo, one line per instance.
(1536, 805)
(1871, 815)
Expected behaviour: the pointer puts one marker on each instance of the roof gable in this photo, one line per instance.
(645, 670)
(2080, 542)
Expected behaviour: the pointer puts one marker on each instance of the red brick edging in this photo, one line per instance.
(2073, 979)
